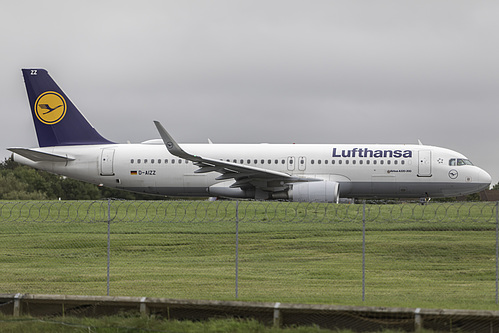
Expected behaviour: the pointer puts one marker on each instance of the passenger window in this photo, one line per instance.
(361, 162)
(248, 161)
(332, 162)
(276, 162)
(152, 161)
(388, 162)
(354, 161)
(381, 162)
(283, 162)
(319, 162)
(131, 161)
(374, 162)
(241, 161)
(138, 161)
(402, 162)
(340, 161)
(159, 161)
(166, 161)
(262, 161)
(326, 161)
(173, 161)
(269, 162)
(395, 162)
(179, 161)
(256, 161)
(368, 162)
(312, 161)
(347, 161)
(145, 160)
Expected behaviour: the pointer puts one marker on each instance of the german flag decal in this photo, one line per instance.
(133, 173)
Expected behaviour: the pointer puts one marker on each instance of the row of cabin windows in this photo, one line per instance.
(158, 161)
(367, 162)
(283, 161)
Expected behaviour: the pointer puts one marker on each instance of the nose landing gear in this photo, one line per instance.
(424, 200)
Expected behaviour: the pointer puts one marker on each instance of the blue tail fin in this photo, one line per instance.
(57, 121)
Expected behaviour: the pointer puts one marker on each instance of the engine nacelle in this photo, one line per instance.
(224, 190)
(320, 191)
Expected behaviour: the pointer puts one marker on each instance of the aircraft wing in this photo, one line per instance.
(40, 156)
(245, 176)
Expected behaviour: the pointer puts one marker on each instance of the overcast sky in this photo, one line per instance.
(263, 71)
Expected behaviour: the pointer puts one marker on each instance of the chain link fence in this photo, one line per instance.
(438, 255)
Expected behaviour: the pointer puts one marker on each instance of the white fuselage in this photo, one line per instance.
(362, 170)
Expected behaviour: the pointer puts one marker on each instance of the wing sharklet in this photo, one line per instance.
(173, 146)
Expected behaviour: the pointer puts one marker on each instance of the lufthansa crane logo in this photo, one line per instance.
(50, 107)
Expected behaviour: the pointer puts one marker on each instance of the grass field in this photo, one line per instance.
(434, 256)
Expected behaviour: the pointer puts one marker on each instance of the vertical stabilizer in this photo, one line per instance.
(57, 120)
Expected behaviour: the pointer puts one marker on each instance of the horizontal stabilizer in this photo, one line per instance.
(40, 156)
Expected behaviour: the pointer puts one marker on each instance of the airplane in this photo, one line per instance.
(69, 145)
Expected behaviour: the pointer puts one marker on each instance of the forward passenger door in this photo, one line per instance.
(424, 163)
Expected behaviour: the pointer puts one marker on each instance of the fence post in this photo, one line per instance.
(277, 315)
(143, 308)
(237, 248)
(17, 305)
(364, 252)
(418, 320)
(108, 243)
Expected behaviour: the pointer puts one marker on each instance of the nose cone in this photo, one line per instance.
(483, 179)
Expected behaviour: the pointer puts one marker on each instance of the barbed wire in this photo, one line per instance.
(248, 211)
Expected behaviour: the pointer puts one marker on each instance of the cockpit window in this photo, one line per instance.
(459, 161)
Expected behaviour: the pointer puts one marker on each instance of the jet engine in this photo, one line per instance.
(319, 191)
